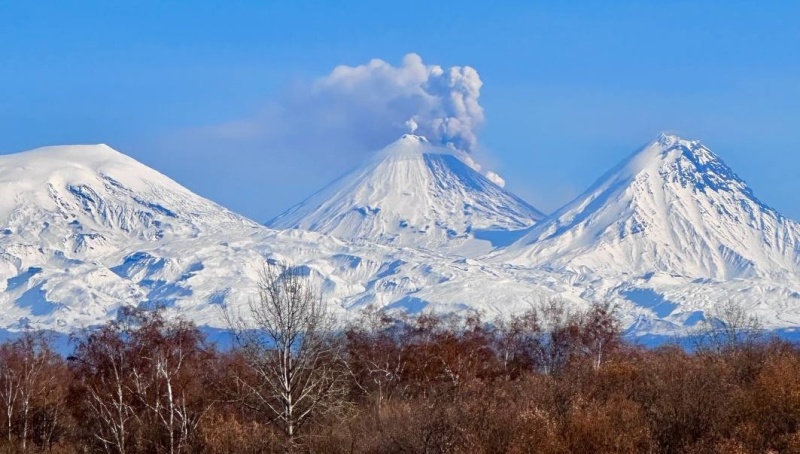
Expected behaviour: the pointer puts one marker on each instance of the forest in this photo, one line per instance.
(551, 380)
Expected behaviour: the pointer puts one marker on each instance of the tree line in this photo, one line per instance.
(550, 380)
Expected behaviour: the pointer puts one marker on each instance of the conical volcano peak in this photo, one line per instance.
(662, 148)
(693, 149)
(668, 139)
(672, 206)
(408, 145)
(672, 159)
(414, 193)
(413, 138)
(414, 147)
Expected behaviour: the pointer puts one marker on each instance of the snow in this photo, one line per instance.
(671, 207)
(413, 194)
(664, 236)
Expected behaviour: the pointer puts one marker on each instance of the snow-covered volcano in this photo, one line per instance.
(672, 207)
(85, 229)
(89, 198)
(412, 193)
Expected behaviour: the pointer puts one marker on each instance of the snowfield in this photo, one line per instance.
(664, 236)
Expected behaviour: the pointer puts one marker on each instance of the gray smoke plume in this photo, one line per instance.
(427, 100)
(362, 108)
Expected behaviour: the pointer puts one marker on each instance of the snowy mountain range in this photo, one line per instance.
(664, 236)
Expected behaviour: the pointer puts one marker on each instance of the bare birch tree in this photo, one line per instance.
(103, 365)
(518, 342)
(166, 380)
(290, 345)
(139, 381)
(28, 377)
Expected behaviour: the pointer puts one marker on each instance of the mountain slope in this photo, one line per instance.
(413, 194)
(672, 207)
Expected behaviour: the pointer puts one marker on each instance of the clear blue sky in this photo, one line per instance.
(570, 88)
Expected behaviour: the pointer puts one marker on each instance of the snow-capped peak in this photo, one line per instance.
(408, 139)
(685, 162)
(673, 206)
(76, 163)
(407, 146)
(668, 139)
(104, 196)
(413, 193)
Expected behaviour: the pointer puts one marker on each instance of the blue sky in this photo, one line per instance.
(569, 88)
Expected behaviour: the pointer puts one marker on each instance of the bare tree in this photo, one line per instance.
(377, 358)
(569, 335)
(291, 347)
(728, 326)
(103, 367)
(557, 335)
(140, 380)
(167, 380)
(518, 342)
(28, 374)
